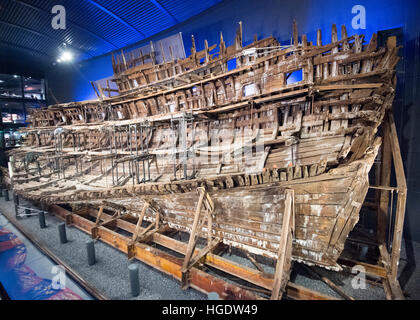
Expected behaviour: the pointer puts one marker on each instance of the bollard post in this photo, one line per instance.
(41, 217)
(213, 296)
(16, 199)
(62, 232)
(90, 247)
(134, 279)
(6, 195)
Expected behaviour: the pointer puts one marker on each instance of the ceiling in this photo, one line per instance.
(93, 27)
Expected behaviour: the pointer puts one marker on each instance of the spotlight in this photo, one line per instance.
(66, 56)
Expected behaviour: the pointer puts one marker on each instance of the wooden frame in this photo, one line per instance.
(281, 275)
(172, 265)
(391, 260)
(190, 260)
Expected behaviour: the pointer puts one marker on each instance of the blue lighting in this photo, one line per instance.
(257, 20)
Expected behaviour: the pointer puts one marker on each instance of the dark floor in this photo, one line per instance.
(110, 274)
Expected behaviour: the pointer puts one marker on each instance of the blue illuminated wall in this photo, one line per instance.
(261, 18)
(269, 17)
(71, 82)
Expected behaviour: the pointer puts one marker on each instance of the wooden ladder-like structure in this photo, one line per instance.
(140, 234)
(284, 260)
(391, 154)
(146, 233)
(120, 212)
(191, 260)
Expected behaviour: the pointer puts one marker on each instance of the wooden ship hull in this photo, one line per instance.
(142, 153)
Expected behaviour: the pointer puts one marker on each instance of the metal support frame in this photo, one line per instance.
(23, 214)
(181, 124)
(137, 154)
(146, 129)
(59, 161)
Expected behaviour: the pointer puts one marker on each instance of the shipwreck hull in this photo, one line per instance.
(326, 209)
(316, 136)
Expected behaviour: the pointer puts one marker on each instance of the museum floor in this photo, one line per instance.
(111, 278)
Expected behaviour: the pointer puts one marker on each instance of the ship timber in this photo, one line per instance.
(143, 148)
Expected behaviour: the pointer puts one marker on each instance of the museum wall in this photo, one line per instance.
(25, 67)
(270, 17)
